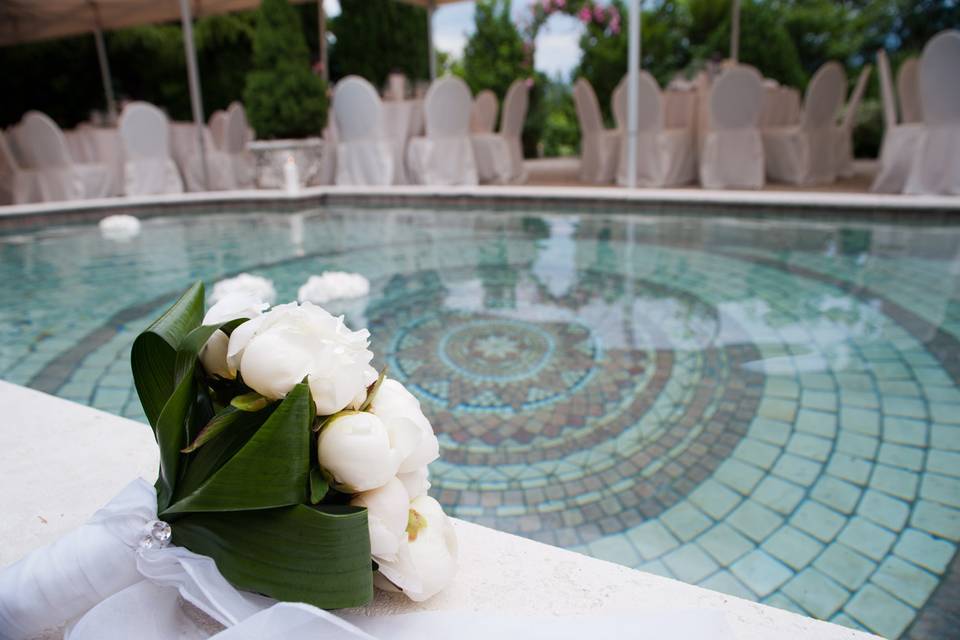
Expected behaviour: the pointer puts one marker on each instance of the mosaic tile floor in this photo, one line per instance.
(766, 408)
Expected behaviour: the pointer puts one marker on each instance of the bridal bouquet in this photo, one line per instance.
(286, 458)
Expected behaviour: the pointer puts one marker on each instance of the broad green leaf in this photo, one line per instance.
(318, 485)
(171, 433)
(191, 344)
(220, 422)
(320, 556)
(271, 470)
(252, 401)
(153, 357)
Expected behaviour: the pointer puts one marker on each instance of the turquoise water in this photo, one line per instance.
(769, 408)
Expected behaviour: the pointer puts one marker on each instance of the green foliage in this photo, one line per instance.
(494, 54)
(375, 37)
(560, 131)
(283, 98)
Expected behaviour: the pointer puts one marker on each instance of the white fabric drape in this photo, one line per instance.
(236, 135)
(665, 157)
(908, 89)
(149, 167)
(364, 155)
(843, 149)
(805, 154)
(218, 127)
(599, 146)
(17, 185)
(499, 156)
(732, 153)
(445, 155)
(900, 141)
(186, 152)
(483, 114)
(936, 164)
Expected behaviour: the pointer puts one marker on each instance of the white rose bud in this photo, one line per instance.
(356, 449)
(416, 482)
(275, 351)
(387, 515)
(213, 355)
(427, 560)
(393, 403)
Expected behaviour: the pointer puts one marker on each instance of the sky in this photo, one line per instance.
(557, 50)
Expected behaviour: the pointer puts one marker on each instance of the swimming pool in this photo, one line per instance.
(769, 408)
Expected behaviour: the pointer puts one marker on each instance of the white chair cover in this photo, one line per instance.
(732, 154)
(936, 165)
(445, 156)
(665, 157)
(618, 104)
(599, 146)
(364, 155)
(511, 126)
(44, 149)
(844, 132)
(908, 88)
(218, 127)
(805, 153)
(900, 141)
(17, 185)
(483, 115)
(185, 149)
(235, 139)
(396, 87)
(149, 168)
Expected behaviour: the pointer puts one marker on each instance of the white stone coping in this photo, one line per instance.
(559, 194)
(61, 461)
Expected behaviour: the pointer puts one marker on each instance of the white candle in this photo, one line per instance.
(291, 175)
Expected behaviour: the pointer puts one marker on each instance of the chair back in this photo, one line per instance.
(853, 104)
(618, 104)
(886, 90)
(587, 106)
(515, 109)
(483, 115)
(446, 108)
(236, 134)
(824, 96)
(41, 142)
(650, 113)
(908, 88)
(218, 127)
(939, 89)
(357, 109)
(8, 162)
(736, 99)
(145, 131)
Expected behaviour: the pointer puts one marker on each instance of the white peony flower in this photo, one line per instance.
(213, 355)
(359, 451)
(416, 482)
(275, 351)
(119, 227)
(427, 559)
(387, 514)
(256, 286)
(394, 403)
(333, 285)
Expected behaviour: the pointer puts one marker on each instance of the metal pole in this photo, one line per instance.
(431, 5)
(735, 32)
(104, 65)
(322, 42)
(633, 82)
(193, 79)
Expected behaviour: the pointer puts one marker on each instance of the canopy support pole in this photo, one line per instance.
(431, 52)
(104, 65)
(735, 32)
(193, 79)
(633, 85)
(322, 41)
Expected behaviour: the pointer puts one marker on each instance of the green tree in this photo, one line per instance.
(225, 56)
(283, 97)
(375, 37)
(494, 54)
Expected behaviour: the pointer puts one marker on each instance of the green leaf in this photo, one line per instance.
(320, 556)
(153, 357)
(190, 346)
(171, 433)
(271, 470)
(217, 425)
(252, 401)
(318, 485)
(372, 391)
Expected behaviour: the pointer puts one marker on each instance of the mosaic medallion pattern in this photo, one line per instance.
(766, 408)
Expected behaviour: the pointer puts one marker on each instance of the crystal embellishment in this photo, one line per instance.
(158, 534)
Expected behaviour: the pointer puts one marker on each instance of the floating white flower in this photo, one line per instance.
(275, 351)
(333, 285)
(119, 227)
(233, 306)
(255, 286)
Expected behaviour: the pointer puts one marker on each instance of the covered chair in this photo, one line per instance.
(908, 89)
(17, 185)
(804, 154)
(148, 168)
(899, 140)
(44, 150)
(599, 146)
(499, 156)
(235, 139)
(445, 155)
(732, 152)
(936, 164)
(665, 157)
(844, 134)
(364, 155)
(483, 115)
(618, 104)
(218, 127)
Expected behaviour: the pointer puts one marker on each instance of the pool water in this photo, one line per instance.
(769, 408)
